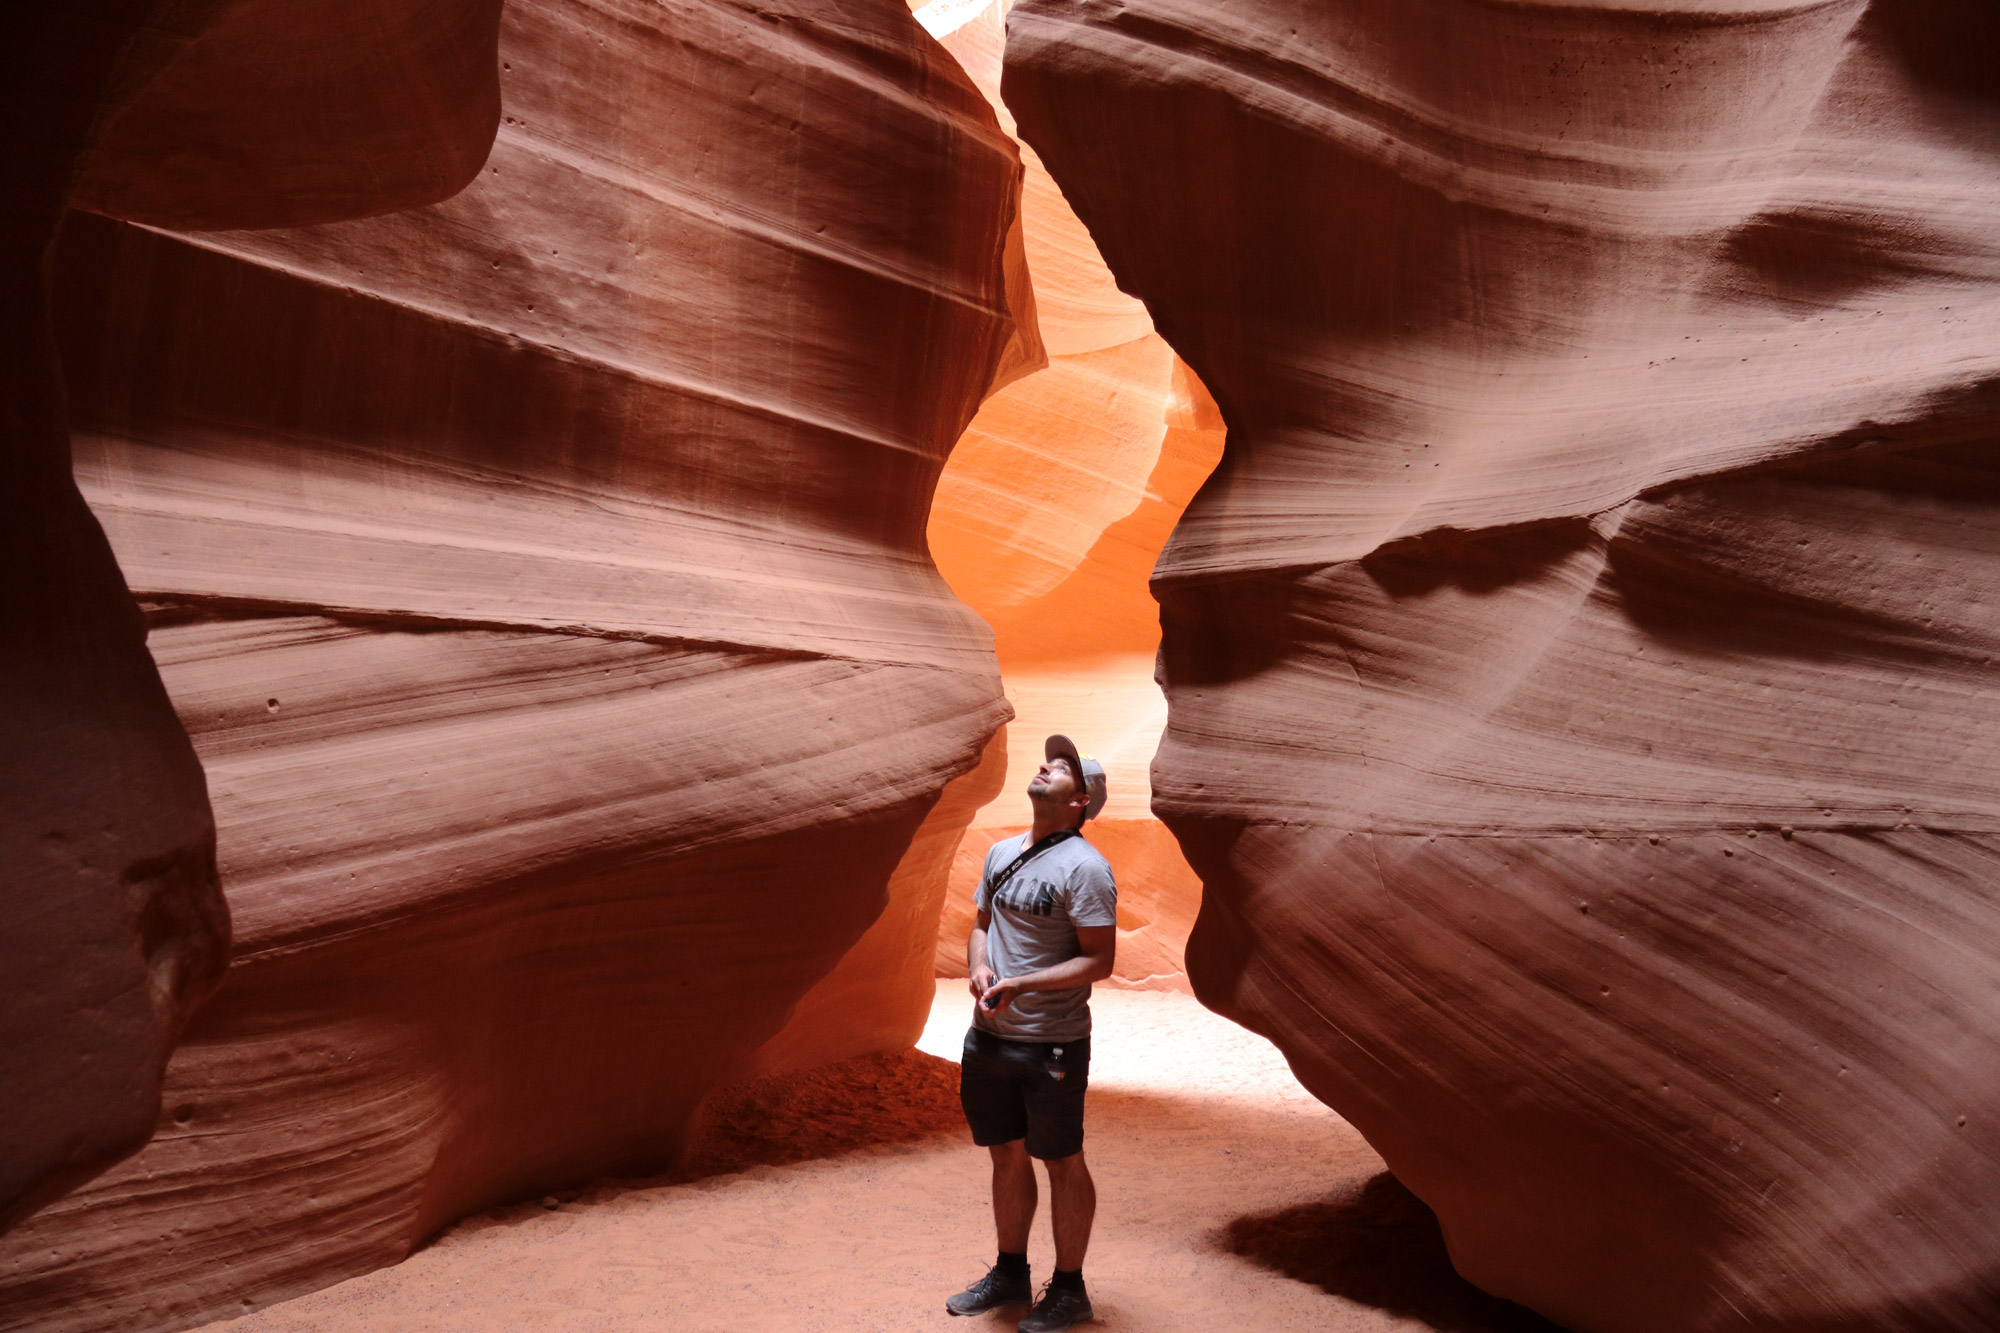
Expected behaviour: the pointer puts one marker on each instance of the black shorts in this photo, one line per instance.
(1025, 1090)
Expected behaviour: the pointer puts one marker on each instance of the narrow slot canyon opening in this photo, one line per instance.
(1047, 521)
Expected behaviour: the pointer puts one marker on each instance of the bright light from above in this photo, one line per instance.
(941, 18)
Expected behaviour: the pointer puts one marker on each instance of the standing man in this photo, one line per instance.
(1046, 929)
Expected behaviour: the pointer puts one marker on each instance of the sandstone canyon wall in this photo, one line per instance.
(112, 925)
(1047, 521)
(540, 576)
(1581, 666)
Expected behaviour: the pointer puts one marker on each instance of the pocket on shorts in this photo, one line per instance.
(1067, 1062)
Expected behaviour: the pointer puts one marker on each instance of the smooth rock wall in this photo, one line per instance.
(878, 997)
(112, 925)
(1581, 665)
(541, 578)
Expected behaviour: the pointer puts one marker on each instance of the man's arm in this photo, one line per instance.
(978, 975)
(1098, 954)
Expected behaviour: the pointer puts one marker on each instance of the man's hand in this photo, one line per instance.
(996, 997)
(1099, 957)
(981, 979)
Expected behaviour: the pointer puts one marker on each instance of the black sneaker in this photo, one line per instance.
(1058, 1309)
(991, 1292)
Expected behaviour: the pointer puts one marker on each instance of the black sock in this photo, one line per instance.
(1013, 1265)
(1070, 1278)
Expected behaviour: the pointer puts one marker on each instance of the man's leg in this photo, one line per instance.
(1014, 1196)
(1072, 1207)
(1055, 1135)
(1008, 1282)
(989, 1088)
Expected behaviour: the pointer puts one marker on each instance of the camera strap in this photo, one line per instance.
(1000, 880)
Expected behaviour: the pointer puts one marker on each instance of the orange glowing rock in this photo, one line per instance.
(1047, 521)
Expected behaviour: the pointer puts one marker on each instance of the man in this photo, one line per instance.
(1046, 929)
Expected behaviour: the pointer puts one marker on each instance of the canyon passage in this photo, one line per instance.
(543, 539)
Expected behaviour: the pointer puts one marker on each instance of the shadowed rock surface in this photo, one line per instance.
(198, 111)
(1377, 1244)
(1580, 665)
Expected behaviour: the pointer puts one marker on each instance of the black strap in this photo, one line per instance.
(1000, 880)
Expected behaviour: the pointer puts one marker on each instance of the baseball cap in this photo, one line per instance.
(1094, 781)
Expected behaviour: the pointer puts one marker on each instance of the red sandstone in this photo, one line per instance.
(202, 112)
(540, 575)
(1580, 664)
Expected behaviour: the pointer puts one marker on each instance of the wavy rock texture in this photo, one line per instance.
(541, 578)
(113, 925)
(1581, 666)
(879, 995)
(1047, 521)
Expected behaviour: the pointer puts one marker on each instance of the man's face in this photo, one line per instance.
(1053, 781)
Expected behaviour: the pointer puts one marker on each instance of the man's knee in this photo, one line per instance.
(1012, 1153)
(1072, 1165)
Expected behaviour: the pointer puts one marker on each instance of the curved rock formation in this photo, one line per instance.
(878, 997)
(1582, 710)
(1047, 521)
(190, 110)
(280, 113)
(541, 578)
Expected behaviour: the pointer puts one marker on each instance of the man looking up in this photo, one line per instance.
(1046, 929)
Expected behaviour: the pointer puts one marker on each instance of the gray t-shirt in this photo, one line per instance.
(1034, 926)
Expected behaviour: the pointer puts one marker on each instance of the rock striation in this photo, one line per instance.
(1582, 708)
(541, 578)
(203, 112)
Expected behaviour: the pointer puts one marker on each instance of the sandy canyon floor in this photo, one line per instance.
(1213, 1170)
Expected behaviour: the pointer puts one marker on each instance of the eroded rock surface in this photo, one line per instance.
(541, 578)
(1581, 665)
(113, 926)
